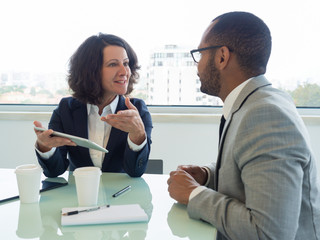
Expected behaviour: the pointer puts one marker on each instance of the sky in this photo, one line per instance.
(41, 35)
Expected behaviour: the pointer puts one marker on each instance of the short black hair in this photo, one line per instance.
(247, 36)
(85, 66)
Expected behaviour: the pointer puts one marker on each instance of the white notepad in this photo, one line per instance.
(112, 214)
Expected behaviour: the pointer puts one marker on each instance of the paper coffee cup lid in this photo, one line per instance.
(86, 171)
(28, 169)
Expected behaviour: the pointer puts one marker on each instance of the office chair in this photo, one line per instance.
(155, 166)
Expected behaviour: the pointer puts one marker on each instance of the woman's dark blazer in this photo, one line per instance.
(71, 117)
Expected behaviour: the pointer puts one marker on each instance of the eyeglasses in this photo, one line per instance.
(196, 53)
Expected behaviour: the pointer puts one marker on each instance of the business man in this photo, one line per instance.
(264, 184)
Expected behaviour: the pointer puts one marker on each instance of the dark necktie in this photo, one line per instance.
(222, 122)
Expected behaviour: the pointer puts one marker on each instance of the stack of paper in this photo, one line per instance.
(111, 214)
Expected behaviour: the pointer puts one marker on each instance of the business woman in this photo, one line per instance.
(102, 73)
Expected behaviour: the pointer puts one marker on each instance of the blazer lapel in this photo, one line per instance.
(218, 163)
(116, 135)
(79, 118)
(80, 125)
(250, 88)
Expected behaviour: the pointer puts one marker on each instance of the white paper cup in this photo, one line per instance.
(28, 179)
(87, 184)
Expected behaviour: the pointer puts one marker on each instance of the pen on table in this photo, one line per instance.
(121, 191)
(85, 210)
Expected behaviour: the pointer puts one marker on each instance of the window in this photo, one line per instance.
(39, 36)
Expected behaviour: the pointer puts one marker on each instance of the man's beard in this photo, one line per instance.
(210, 79)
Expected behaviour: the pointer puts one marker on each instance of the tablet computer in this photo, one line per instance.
(78, 140)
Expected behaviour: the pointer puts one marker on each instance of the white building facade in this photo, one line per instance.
(172, 78)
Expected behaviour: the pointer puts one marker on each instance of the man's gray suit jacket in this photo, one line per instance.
(266, 187)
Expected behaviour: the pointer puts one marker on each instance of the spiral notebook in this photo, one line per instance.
(111, 214)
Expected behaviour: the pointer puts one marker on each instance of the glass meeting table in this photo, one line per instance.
(167, 219)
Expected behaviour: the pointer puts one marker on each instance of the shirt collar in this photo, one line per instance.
(94, 108)
(231, 98)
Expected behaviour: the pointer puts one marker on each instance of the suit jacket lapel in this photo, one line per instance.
(80, 125)
(80, 119)
(114, 131)
(115, 134)
(250, 88)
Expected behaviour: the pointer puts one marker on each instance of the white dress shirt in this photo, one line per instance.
(227, 106)
(99, 132)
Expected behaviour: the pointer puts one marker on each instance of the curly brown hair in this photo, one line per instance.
(85, 66)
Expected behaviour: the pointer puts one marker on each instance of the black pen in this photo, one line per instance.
(121, 191)
(85, 210)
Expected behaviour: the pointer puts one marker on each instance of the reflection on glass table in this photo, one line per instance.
(167, 219)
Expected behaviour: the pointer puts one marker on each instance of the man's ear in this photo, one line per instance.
(222, 57)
